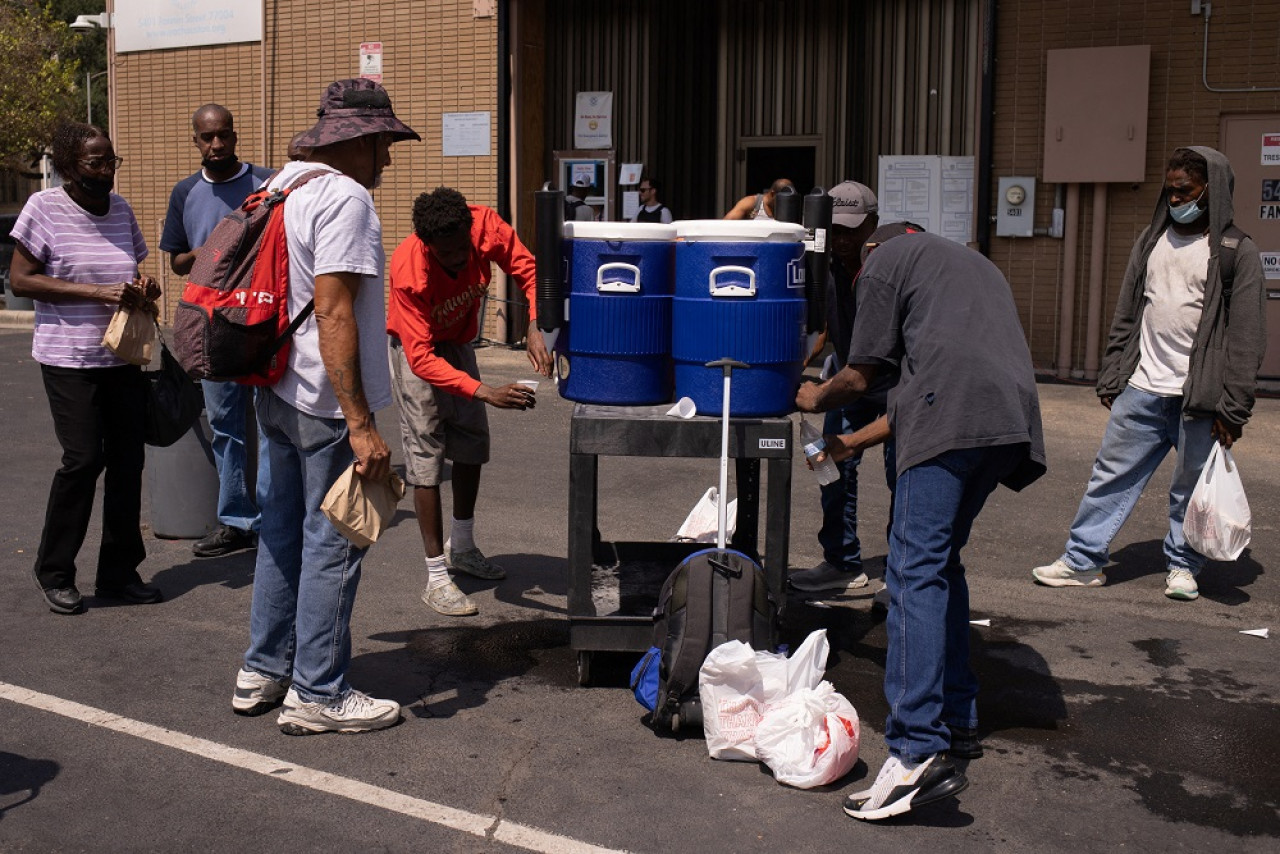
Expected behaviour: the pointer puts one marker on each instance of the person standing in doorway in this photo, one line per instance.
(759, 205)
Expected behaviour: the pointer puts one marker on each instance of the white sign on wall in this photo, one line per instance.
(371, 61)
(593, 122)
(1270, 149)
(159, 24)
(931, 191)
(466, 134)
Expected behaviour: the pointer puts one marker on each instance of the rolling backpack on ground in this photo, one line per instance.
(232, 322)
(713, 596)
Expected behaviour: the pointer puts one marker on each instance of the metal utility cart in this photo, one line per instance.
(597, 431)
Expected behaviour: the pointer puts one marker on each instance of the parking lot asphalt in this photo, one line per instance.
(1114, 718)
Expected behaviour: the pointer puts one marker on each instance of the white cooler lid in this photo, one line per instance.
(583, 230)
(739, 230)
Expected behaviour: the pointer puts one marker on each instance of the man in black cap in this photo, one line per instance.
(965, 418)
(319, 417)
(854, 215)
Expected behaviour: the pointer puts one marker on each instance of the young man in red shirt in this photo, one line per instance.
(439, 277)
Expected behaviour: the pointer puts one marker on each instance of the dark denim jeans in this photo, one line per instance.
(838, 535)
(927, 678)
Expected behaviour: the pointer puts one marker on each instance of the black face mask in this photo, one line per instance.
(222, 167)
(96, 188)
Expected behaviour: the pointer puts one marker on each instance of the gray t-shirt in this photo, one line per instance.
(944, 317)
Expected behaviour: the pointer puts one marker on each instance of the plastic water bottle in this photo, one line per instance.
(814, 444)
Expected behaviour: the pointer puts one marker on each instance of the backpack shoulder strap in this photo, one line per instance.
(1227, 249)
(697, 628)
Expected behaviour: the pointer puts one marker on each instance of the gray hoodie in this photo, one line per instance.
(1229, 345)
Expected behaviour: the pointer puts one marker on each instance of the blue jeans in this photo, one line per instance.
(1140, 433)
(927, 678)
(227, 405)
(306, 574)
(838, 535)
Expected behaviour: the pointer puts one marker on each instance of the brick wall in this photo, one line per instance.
(437, 58)
(1244, 51)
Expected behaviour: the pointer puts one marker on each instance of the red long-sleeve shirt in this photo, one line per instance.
(428, 304)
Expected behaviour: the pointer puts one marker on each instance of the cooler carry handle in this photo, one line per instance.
(618, 287)
(733, 290)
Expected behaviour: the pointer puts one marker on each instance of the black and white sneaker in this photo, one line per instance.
(900, 787)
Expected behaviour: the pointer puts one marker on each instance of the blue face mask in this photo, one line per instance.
(1188, 213)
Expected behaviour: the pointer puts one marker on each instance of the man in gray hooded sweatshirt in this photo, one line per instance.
(1180, 367)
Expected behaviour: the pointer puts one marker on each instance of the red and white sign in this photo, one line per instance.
(371, 61)
(1271, 149)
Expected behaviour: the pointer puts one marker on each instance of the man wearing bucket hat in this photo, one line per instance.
(965, 417)
(439, 278)
(319, 417)
(854, 217)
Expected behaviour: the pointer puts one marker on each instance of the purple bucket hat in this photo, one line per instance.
(354, 108)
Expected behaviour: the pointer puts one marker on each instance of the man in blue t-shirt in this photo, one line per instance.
(197, 203)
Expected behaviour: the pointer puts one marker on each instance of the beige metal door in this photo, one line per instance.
(1252, 144)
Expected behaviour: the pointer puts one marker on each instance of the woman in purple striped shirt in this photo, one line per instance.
(77, 256)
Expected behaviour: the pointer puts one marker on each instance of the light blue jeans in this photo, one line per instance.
(306, 574)
(927, 678)
(1143, 428)
(227, 406)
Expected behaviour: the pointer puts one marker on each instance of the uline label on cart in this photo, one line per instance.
(773, 444)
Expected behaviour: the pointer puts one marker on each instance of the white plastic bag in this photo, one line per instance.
(703, 520)
(809, 738)
(738, 685)
(1218, 522)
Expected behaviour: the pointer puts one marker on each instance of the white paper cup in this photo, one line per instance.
(684, 408)
(532, 385)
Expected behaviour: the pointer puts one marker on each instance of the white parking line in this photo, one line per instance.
(484, 826)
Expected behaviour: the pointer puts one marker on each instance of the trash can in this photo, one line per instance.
(616, 347)
(183, 483)
(739, 294)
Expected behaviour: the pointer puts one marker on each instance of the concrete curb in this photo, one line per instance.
(17, 319)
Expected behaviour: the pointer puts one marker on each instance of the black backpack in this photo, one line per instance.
(712, 597)
(571, 205)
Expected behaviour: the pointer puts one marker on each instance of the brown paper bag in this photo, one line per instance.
(361, 510)
(130, 335)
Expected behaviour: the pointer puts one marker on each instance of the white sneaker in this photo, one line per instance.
(824, 577)
(256, 694)
(350, 711)
(1058, 574)
(900, 787)
(1181, 584)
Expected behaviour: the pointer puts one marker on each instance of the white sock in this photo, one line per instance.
(461, 536)
(437, 572)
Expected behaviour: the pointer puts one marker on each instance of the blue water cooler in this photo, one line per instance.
(739, 294)
(616, 346)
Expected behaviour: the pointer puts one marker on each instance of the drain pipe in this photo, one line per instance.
(1066, 310)
(501, 286)
(1097, 254)
(983, 210)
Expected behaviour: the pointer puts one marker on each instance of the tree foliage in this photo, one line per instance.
(38, 80)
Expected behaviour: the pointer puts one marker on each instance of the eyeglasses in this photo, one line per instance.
(645, 189)
(98, 163)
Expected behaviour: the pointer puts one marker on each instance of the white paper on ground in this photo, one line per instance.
(1257, 633)
(979, 622)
